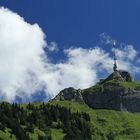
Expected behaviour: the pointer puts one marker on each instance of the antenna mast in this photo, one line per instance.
(114, 57)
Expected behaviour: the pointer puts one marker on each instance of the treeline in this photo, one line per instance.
(24, 120)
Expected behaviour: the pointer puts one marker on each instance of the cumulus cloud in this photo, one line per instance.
(21, 55)
(53, 47)
(82, 68)
(106, 39)
(26, 69)
(127, 52)
(79, 71)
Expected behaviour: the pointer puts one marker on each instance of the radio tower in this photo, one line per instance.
(114, 57)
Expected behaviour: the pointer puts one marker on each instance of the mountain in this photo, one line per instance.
(108, 110)
(118, 92)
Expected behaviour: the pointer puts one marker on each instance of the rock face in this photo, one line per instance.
(70, 94)
(118, 92)
(120, 75)
(114, 96)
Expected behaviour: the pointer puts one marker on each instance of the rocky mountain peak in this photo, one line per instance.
(70, 94)
(120, 75)
(118, 91)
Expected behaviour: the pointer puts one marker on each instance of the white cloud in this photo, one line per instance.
(79, 71)
(25, 68)
(53, 47)
(127, 53)
(21, 55)
(82, 68)
(106, 39)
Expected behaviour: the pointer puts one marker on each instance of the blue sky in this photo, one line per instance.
(79, 23)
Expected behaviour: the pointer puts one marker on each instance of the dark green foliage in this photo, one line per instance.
(42, 137)
(49, 138)
(23, 121)
(2, 127)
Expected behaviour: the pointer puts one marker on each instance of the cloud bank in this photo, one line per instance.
(21, 56)
(25, 68)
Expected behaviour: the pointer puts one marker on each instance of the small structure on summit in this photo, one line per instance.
(119, 75)
(109, 93)
(114, 57)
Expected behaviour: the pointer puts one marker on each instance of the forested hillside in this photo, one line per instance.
(65, 120)
(29, 122)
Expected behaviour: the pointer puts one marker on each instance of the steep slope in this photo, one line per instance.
(112, 94)
(42, 122)
(108, 124)
(123, 96)
(102, 124)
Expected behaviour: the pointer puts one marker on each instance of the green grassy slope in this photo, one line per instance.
(108, 124)
(57, 134)
(105, 124)
(114, 83)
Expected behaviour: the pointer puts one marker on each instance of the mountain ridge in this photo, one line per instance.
(109, 110)
(118, 91)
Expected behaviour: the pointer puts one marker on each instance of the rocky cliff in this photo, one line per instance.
(70, 94)
(121, 95)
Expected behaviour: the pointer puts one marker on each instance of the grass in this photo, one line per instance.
(130, 84)
(105, 124)
(96, 88)
(133, 84)
(37, 132)
(7, 135)
(113, 85)
(36, 104)
(57, 134)
(108, 123)
(74, 106)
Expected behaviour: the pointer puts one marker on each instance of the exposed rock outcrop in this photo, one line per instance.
(120, 75)
(114, 95)
(118, 92)
(70, 94)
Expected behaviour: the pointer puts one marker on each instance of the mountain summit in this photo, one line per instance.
(118, 91)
